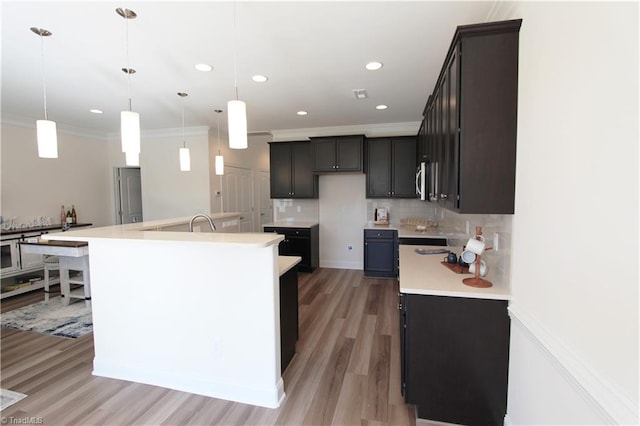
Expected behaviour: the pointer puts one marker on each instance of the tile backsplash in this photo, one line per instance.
(460, 228)
(296, 209)
(498, 261)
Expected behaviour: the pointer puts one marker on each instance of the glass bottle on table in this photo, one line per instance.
(74, 216)
(63, 215)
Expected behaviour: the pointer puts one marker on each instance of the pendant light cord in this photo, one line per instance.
(126, 32)
(218, 114)
(235, 51)
(184, 144)
(44, 79)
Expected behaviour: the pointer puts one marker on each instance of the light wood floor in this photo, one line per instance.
(346, 370)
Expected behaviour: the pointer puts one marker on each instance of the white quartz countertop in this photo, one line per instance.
(290, 224)
(285, 263)
(424, 274)
(410, 231)
(148, 231)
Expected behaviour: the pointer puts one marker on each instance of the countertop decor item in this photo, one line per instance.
(476, 280)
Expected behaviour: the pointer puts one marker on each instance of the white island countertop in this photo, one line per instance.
(424, 274)
(151, 231)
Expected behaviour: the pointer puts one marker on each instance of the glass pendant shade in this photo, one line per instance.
(237, 124)
(219, 165)
(47, 139)
(130, 131)
(132, 158)
(185, 160)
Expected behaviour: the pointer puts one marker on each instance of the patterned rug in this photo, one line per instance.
(8, 398)
(51, 317)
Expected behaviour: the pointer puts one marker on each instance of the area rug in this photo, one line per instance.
(8, 398)
(52, 318)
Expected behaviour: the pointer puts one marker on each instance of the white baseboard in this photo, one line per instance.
(614, 406)
(339, 264)
(269, 397)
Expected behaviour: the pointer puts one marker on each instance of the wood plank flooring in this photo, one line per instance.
(346, 370)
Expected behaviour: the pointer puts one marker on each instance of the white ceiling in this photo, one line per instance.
(313, 53)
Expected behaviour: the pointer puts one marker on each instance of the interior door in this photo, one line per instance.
(128, 192)
(266, 205)
(237, 194)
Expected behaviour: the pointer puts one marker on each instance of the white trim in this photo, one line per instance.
(270, 397)
(29, 123)
(370, 130)
(613, 405)
(336, 264)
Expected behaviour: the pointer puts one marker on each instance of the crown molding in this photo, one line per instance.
(370, 130)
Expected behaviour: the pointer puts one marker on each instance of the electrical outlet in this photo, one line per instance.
(466, 227)
(299, 209)
(496, 238)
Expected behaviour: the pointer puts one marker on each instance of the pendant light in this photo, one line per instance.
(129, 120)
(185, 157)
(219, 164)
(236, 109)
(45, 129)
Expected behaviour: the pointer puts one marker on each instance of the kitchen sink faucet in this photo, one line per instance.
(213, 227)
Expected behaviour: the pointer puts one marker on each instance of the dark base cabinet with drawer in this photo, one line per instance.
(380, 253)
(455, 357)
(303, 242)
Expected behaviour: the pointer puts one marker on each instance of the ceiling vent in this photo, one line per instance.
(360, 93)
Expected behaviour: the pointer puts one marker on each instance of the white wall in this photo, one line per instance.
(342, 207)
(166, 191)
(33, 186)
(255, 157)
(575, 228)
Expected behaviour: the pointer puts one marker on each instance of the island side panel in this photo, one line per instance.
(197, 317)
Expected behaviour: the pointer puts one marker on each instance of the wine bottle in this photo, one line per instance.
(69, 219)
(63, 215)
(74, 216)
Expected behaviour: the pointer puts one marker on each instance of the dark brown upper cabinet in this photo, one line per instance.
(468, 135)
(290, 166)
(337, 154)
(391, 167)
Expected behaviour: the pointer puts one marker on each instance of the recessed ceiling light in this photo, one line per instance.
(203, 67)
(259, 78)
(95, 111)
(381, 107)
(302, 112)
(374, 65)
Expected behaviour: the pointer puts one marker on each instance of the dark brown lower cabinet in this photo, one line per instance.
(303, 242)
(455, 358)
(288, 316)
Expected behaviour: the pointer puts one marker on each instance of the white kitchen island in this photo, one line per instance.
(196, 312)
